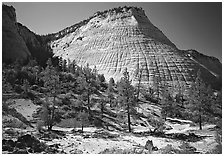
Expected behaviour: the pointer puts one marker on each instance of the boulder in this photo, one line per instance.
(149, 145)
(24, 144)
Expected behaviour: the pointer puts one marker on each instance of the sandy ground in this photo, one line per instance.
(96, 145)
(72, 142)
(25, 107)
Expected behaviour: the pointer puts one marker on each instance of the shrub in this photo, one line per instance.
(50, 115)
(14, 123)
(83, 118)
(97, 123)
(168, 149)
(185, 148)
(69, 123)
(157, 124)
(40, 125)
(218, 148)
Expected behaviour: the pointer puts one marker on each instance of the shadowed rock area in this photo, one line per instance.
(13, 46)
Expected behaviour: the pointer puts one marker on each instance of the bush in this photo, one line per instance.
(97, 123)
(50, 114)
(18, 89)
(40, 125)
(168, 149)
(185, 148)
(5, 108)
(157, 124)
(69, 123)
(14, 123)
(218, 148)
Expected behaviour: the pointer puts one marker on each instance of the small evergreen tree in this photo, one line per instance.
(126, 95)
(166, 102)
(111, 82)
(138, 75)
(64, 65)
(25, 86)
(83, 118)
(49, 114)
(51, 81)
(156, 83)
(198, 98)
(103, 102)
(110, 90)
(88, 84)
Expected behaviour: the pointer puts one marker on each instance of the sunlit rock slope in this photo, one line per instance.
(113, 40)
(124, 37)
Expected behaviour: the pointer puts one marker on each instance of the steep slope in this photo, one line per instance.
(13, 46)
(36, 44)
(19, 42)
(112, 40)
(124, 37)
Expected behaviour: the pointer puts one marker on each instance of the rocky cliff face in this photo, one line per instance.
(36, 44)
(113, 40)
(13, 45)
(124, 37)
(19, 42)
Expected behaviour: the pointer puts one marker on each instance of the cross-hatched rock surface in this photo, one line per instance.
(113, 40)
(124, 37)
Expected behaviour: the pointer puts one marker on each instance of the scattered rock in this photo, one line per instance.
(155, 148)
(191, 137)
(27, 144)
(76, 151)
(20, 151)
(149, 145)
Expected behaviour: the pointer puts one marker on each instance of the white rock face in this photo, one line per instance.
(117, 39)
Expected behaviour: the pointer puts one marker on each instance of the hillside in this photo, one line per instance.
(111, 84)
(115, 39)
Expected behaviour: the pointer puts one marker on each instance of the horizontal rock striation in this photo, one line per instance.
(124, 37)
(112, 40)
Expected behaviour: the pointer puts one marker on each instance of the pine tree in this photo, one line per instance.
(49, 115)
(126, 95)
(51, 81)
(25, 86)
(156, 83)
(198, 98)
(83, 117)
(6, 85)
(102, 102)
(110, 90)
(179, 96)
(111, 82)
(88, 84)
(64, 65)
(138, 75)
(166, 101)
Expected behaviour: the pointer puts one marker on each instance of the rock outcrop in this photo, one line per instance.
(13, 45)
(124, 37)
(19, 43)
(36, 44)
(113, 40)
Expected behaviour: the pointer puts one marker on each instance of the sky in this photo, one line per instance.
(189, 25)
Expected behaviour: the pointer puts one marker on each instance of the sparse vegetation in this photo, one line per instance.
(126, 95)
(77, 97)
